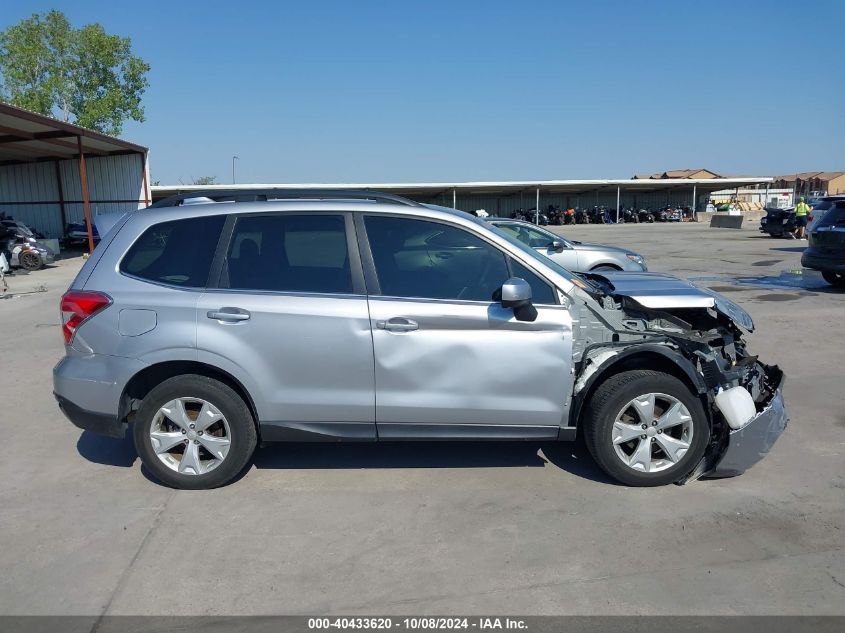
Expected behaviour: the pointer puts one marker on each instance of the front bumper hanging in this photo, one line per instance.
(748, 445)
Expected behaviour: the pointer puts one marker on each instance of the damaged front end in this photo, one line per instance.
(744, 398)
(700, 332)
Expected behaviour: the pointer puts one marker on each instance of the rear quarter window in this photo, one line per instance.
(177, 253)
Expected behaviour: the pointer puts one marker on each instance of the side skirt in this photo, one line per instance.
(364, 432)
(317, 432)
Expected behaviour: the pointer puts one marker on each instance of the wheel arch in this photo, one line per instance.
(607, 264)
(653, 357)
(146, 379)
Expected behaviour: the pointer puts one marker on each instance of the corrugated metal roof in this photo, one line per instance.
(26, 137)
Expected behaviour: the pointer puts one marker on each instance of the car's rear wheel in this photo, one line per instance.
(834, 279)
(194, 432)
(645, 428)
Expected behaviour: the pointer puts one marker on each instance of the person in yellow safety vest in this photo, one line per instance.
(801, 213)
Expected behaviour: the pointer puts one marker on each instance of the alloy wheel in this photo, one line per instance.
(190, 436)
(30, 260)
(652, 432)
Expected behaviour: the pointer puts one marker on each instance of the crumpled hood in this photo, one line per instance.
(661, 292)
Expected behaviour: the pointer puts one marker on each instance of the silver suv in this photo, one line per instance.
(263, 316)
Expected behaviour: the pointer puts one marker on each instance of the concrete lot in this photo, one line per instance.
(439, 528)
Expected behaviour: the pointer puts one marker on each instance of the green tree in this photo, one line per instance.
(84, 76)
(204, 180)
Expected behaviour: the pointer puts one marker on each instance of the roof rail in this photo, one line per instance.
(263, 195)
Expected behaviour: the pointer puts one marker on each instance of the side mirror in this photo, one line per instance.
(556, 246)
(516, 294)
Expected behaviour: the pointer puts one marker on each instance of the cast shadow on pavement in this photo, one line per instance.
(569, 456)
(107, 450)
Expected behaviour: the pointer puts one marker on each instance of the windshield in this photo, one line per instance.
(534, 236)
(560, 270)
(19, 227)
(822, 205)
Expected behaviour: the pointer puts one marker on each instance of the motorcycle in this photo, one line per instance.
(581, 216)
(778, 222)
(672, 214)
(644, 215)
(629, 216)
(663, 214)
(555, 215)
(687, 214)
(532, 216)
(596, 215)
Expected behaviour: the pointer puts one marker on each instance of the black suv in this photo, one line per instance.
(826, 249)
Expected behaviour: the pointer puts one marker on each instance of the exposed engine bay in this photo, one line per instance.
(694, 328)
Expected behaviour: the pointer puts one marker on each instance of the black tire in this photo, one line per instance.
(607, 402)
(31, 260)
(242, 431)
(834, 279)
(609, 269)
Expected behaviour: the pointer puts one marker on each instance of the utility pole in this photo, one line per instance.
(234, 158)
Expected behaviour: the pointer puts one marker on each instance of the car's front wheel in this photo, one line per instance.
(834, 279)
(645, 428)
(194, 432)
(31, 260)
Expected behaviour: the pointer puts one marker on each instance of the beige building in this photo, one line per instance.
(832, 182)
(679, 173)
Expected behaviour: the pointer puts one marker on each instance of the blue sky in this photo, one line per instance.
(450, 91)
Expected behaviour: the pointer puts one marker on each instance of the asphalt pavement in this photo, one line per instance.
(497, 528)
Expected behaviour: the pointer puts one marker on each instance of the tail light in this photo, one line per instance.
(79, 306)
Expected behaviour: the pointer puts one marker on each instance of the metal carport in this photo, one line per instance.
(54, 173)
(502, 198)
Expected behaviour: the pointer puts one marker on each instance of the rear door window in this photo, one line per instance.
(177, 253)
(289, 253)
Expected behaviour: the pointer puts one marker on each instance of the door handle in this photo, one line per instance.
(398, 324)
(229, 315)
